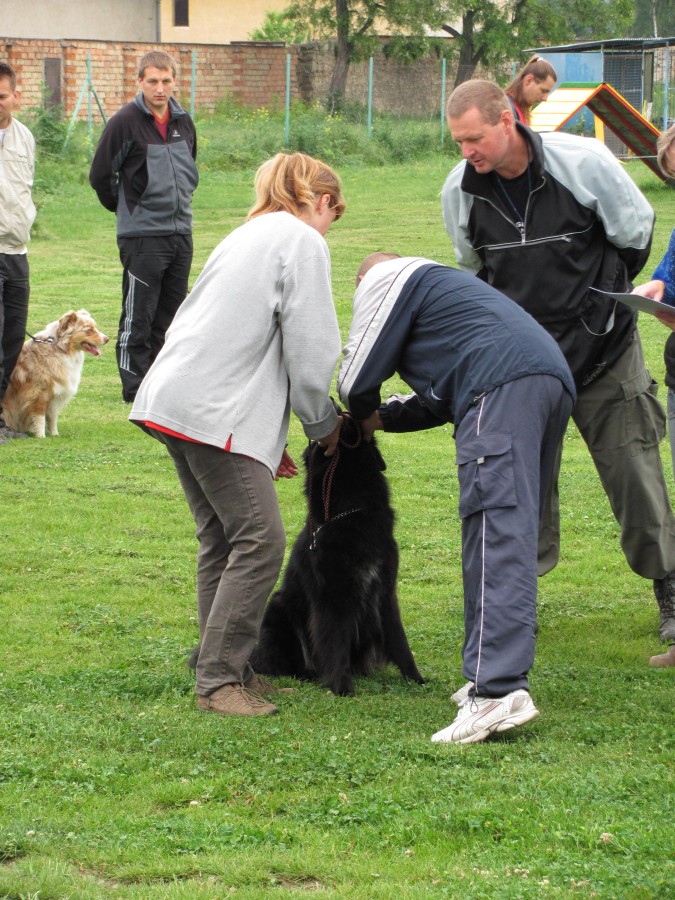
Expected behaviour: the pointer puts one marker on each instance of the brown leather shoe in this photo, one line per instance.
(235, 700)
(664, 660)
(260, 685)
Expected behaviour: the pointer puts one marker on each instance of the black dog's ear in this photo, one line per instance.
(381, 464)
(351, 430)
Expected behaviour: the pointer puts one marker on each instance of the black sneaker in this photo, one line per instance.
(664, 591)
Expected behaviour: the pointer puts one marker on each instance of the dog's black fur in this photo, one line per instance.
(336, 614)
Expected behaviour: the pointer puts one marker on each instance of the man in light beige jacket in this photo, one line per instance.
(17, 214)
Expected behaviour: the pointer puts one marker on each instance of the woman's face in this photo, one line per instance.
(536, 91)
(322, 216)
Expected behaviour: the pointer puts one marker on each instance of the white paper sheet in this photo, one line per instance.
(643, 304)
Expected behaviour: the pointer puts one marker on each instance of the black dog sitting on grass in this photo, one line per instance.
(336, 614)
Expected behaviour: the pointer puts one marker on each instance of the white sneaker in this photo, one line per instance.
(479, 717)
(460, 696)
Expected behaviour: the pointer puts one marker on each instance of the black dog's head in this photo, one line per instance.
(356, 478)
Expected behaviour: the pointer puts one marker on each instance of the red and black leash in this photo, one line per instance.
(327, 483)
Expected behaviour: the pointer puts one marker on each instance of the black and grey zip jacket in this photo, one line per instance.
(585, 224)
(147, 181)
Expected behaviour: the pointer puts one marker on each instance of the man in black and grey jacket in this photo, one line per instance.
(545, 218)
(144, 171)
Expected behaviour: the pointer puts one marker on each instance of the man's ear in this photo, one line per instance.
(506, 119)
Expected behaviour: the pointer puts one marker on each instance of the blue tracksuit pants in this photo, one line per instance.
(506, 448)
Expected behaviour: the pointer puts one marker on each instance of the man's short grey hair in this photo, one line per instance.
(485, 96)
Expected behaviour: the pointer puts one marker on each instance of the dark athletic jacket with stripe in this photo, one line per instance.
(449, 336)
(585, 225)
(148, 182)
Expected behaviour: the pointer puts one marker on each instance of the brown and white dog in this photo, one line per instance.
(48, 371)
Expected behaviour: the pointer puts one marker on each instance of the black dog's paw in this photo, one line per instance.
(342, 686)
(413, 674)
(193, 657)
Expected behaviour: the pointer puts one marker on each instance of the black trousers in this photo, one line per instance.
(154, 284)
(14, 294)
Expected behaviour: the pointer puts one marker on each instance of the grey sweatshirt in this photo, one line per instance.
(256, 337)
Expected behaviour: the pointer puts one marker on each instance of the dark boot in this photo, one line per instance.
(664, 590)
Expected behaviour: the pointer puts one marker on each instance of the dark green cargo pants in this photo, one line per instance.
(623, 424)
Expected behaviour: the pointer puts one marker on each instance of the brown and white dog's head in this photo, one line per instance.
(76, 331)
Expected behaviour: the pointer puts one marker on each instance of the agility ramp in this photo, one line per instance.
(607, 105)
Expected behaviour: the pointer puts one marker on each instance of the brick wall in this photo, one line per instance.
(252, 74)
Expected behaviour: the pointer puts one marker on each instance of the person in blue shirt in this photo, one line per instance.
(662, 288)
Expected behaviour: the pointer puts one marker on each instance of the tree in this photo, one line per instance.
(354, 26)
(486, 32)
(653, 18)
(278, 27)
(492, 33)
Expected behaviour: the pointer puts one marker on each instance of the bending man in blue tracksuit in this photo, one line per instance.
(474, 358)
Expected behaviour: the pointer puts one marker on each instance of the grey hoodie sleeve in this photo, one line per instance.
(311, 344)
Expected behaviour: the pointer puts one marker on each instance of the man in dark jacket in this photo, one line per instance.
(473, 358)
(545, 218)
(144, 171)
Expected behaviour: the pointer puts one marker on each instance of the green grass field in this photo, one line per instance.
(113, 785)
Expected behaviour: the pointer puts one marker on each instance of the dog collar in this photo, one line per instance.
(315, 531)
(49, 340)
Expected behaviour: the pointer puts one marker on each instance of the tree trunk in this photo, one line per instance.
(343, 56)
(468, 59)
(467, 62)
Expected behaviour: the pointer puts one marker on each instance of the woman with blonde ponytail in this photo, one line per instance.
(531, 86)
(256, 338)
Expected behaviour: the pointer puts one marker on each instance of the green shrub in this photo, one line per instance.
(233, 138)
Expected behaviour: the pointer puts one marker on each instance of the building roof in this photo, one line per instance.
(609, 44)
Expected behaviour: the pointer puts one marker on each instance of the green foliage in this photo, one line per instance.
(397, 18)
(279, 26)
(60, 156)
(594, 19)
(657, 104)
(236, 137)
(409, 49)
(113, 785)
(355, 25)
(49, 129)
(489, 32)
(653, 18)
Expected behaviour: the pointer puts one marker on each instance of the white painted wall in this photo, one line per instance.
(103, 20)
